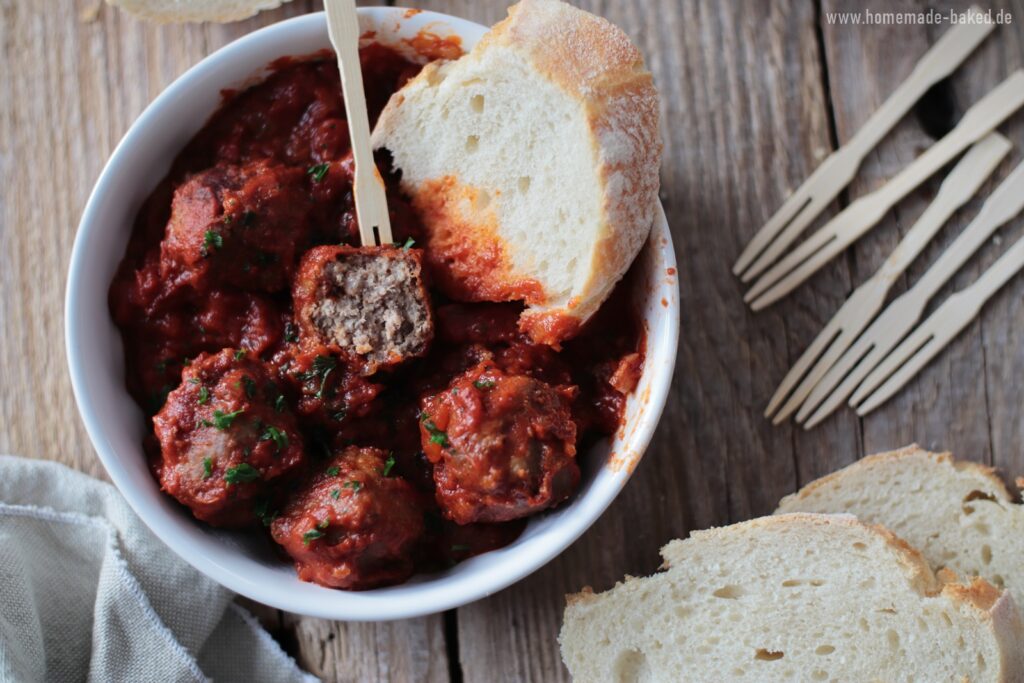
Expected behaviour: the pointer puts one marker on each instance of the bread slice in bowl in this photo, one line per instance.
(533, 161)
(960, 515)
(795, 597)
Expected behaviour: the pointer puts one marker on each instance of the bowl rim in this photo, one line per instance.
(411, 599)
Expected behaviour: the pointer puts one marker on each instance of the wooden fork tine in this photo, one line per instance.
(941, 327)
(820, 343)
(895, 364)
(916, 358)
(807, 252)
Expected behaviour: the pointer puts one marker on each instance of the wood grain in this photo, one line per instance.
(753, 96)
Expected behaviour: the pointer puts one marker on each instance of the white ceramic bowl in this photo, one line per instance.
(245, 562)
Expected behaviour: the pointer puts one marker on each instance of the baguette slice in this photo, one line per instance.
(533, 162)
(960, 515)
(223, 11)
(799, 597)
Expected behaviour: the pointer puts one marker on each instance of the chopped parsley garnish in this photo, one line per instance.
(211, 240)
(291, 335)
(311, 535)
(409, 241)
(318, 172)
(193, 380)
(239, 354)
(388, 464)
(353, 484)
(460, 548)
(250, 386)
(322, 367)
(222, 420)
(207, 467)
(204, 396)
(263, 511)
(339, 416)
(279, 403)
(333, 471)
(241, 474)
(276, 435)
(335, 493)
(324, 524)
(484, 383)
(437, 436)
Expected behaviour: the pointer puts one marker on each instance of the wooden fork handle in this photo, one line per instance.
(367, 186)
(940, 61)
(1006, 202)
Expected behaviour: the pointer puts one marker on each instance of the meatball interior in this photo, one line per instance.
(224, 434)
(503, 446)
(368, 303)
(353, 524)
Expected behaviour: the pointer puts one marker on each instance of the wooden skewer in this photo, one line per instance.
(960, 185)
(367, 186)
(836, 172)
(899, 318)
(862, 215)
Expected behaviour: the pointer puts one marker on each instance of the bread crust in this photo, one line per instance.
(176, 11)
(594, 63)
(987, 474)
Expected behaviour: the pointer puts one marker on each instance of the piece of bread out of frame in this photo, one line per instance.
(799, 596)
(959, 514)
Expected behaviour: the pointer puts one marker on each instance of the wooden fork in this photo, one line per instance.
(863, 214)
(836, 172)
(935, 333)
(899, 318)
(960, 185)
(367, 185)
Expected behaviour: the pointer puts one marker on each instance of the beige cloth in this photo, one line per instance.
(88, 593)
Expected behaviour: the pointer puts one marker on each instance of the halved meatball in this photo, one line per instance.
(503, 446)
(239, 225)
(354, 524)
(224, 434)
(367, 303)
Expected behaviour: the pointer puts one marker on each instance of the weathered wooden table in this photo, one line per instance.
(754, 94)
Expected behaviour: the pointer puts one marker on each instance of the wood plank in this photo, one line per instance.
(745, 120)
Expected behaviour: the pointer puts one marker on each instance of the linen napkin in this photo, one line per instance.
(88, 593)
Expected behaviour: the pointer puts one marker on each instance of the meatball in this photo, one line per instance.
(368, 303)
(353, 525)
(329, 391)
(502, 446)
(238, 225)
(224, 434)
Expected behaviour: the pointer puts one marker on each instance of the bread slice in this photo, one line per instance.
(798, 597)
(960, 515)
(163, 11)
(533, 161)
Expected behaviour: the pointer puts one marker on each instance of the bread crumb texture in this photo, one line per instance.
(223, 11)
(794, 597)
(533, 161)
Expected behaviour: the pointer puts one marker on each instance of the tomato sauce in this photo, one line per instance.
(254, 427)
